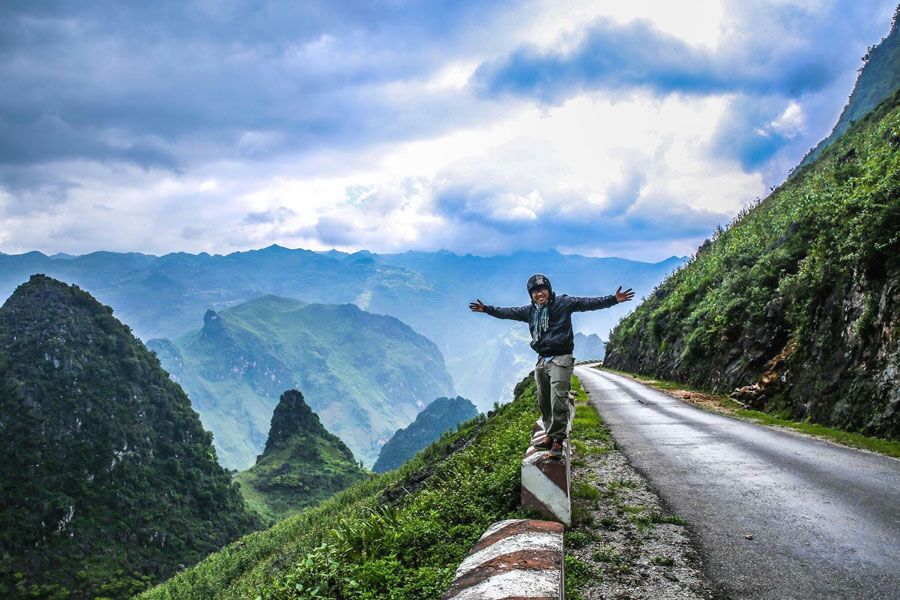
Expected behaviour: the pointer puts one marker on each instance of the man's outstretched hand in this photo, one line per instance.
(477, 306)
(620, 295)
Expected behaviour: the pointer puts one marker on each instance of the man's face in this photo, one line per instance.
(540, 294)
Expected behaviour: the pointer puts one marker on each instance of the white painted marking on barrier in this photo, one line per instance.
(524, 584)
(495, 527)
(542, 488)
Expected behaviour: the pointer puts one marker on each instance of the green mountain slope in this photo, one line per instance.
(438, 417)
(797, 301)
(107, 480)
(399, 535)
(878, 79)
(365, 375)
(302, 464)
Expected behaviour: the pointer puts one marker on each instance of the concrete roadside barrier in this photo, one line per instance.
(513, 559)
(546, 480)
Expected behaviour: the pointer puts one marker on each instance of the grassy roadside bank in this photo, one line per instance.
(397, 536)
(721, 404)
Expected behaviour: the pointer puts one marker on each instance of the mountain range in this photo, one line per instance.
(165, 296)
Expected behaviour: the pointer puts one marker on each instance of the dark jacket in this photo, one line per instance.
(559, 337)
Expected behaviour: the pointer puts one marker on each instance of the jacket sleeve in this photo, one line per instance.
(520, 313)
(581, 304)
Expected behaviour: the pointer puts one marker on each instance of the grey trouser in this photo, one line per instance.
(553, 382)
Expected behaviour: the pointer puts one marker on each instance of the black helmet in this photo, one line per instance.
(537, 280)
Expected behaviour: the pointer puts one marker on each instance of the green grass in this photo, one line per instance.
(730, 407)
(585, 491)
(399, 535)
(576, 573)
(656, 517)
(847, 438)
(607, 554)
(586, 425)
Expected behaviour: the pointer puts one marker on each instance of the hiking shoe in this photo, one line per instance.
(556, 449)
(545, 443)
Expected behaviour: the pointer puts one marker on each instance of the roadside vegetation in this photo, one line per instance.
(794, 305)
(725, 405)
(399, 535)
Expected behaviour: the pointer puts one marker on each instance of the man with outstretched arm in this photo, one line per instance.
(549, 317)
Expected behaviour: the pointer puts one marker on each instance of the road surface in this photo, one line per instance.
(824, 519)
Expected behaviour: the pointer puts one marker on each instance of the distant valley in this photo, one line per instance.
(365, 375)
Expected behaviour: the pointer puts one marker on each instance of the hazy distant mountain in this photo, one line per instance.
(108, 481)
(430, 291)
(492, 370)
(301, 465)
(365, 375)
(441, 415)
(589, 347)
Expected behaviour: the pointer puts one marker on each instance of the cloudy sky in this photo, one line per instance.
(628, 128)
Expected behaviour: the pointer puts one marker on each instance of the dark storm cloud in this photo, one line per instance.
(164, 84)
(768, 50)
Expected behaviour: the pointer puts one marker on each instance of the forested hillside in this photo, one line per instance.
(796, 302)
(108, 482)
(438, 417)
(878, 79)
(164, 296)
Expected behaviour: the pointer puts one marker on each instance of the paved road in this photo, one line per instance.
(825, 520)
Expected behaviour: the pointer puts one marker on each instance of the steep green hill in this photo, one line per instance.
(365, 375)
(399, 535)
(878, 79)
(302, 464)
(108, 482)
(438, 417)
(798, 298)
